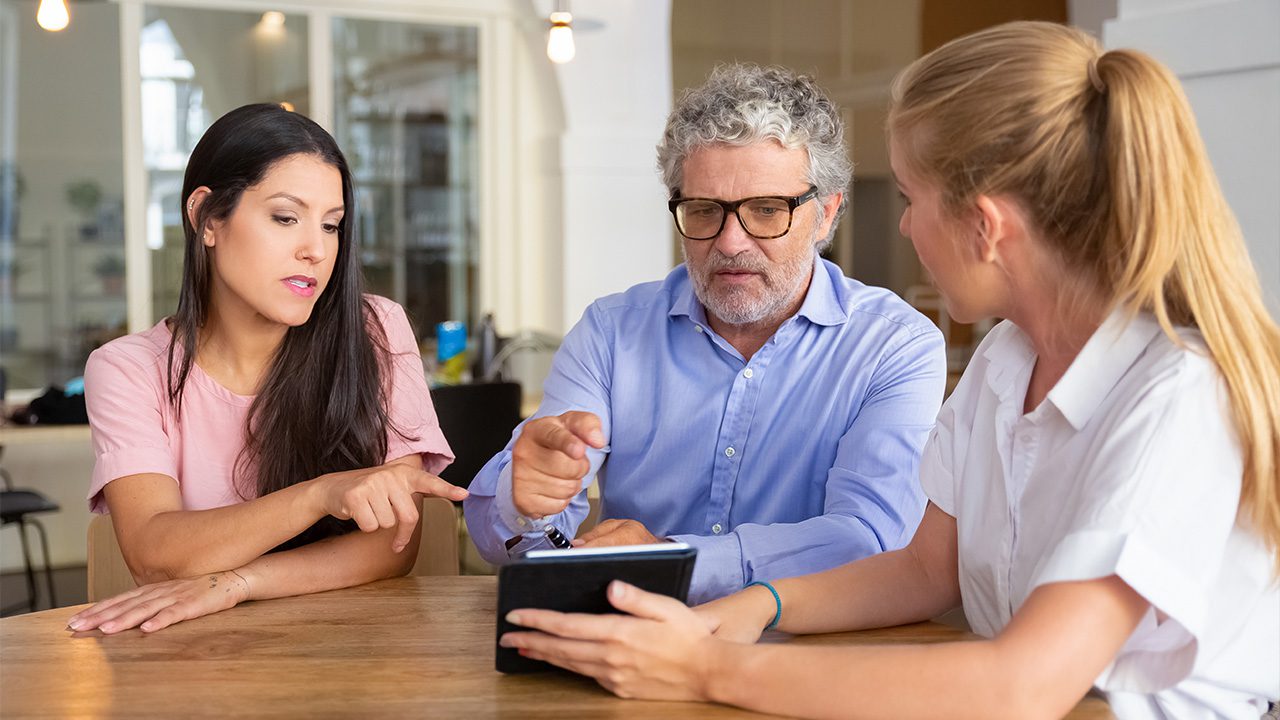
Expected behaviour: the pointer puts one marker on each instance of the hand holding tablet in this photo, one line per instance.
(576, 580)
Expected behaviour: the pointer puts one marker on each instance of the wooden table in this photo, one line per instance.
(418, 646)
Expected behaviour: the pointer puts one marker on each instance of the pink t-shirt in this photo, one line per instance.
(135, 429)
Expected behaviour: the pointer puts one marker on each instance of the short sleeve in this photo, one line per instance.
(415, 428)
(936, 476)
(1165, 488)
(126, 420)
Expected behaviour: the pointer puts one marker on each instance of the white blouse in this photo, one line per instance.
(1130, 467)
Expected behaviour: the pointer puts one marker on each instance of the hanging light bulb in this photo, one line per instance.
(271, 26)
(560, 48)
(53, 15)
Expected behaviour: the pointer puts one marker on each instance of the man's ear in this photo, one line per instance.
(830, 204)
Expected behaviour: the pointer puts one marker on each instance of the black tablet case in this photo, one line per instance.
(578, 584)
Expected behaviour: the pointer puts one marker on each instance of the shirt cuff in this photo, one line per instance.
(516, 523)
(718, 570)
(530, 541)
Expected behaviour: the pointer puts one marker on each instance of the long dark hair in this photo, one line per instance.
(321, 407)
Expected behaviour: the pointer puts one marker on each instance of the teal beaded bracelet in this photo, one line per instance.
(777, 599)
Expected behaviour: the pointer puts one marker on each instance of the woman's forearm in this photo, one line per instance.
(337, 562)
(183, 543)
(954, 680)
(880, 591)
(1040, 664)
(915, 583)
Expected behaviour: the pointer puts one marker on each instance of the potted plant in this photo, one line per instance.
(85, 196)
(110, 270)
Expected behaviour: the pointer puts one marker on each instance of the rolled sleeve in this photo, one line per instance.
(415, 429)
(126, 420)
(936, 479)
(1167, 546)
(718, 569)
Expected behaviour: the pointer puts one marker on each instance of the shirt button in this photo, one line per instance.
(748, 373)
(729, 451)
(698, 328)
(521, 522)
(716, 528)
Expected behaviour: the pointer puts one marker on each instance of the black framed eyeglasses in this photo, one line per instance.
(763, 218)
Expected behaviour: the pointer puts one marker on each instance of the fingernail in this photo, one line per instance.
(577, 542)
(513, 617)
(617, 589)
(75, 624)
(597, 437)
(146, 627)
(504, 642)
(397, 547)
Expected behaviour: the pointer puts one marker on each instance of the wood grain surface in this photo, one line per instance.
(414, 646)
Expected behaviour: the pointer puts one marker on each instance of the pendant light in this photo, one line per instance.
(53, 15)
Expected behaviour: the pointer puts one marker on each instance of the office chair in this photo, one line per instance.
(477, 420)
(15, 508)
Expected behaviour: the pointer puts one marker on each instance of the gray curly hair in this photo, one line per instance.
(742, 104)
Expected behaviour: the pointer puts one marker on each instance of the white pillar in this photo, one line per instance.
(616, 96)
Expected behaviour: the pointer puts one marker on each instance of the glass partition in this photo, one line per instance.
(197, 64)
(404, 109)
(405, 105)
(61, 192)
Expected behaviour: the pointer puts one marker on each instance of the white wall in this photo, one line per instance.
(616, 95)
(1090, 15)
(1227, 54)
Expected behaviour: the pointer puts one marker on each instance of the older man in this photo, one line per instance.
(756, 403)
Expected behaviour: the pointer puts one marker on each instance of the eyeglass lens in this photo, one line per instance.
(761, 218)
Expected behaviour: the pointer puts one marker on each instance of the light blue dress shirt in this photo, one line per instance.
(802, 459)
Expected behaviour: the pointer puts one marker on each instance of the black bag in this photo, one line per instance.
(54, 407)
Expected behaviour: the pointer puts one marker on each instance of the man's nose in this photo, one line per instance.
(733, 238)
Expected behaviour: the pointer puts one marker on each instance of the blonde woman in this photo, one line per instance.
(1103, 483)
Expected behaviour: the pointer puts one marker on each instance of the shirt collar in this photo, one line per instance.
(1105, 358)
(1008, 361)
(823, 303)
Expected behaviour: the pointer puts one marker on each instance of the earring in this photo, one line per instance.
(191, 204)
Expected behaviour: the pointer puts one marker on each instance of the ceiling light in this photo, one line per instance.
(272, 20)
(560, 48)
(53, 15)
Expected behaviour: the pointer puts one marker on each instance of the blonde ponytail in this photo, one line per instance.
(1103, 151)
(1186, 260)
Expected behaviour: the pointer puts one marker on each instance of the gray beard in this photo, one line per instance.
(740, 306)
